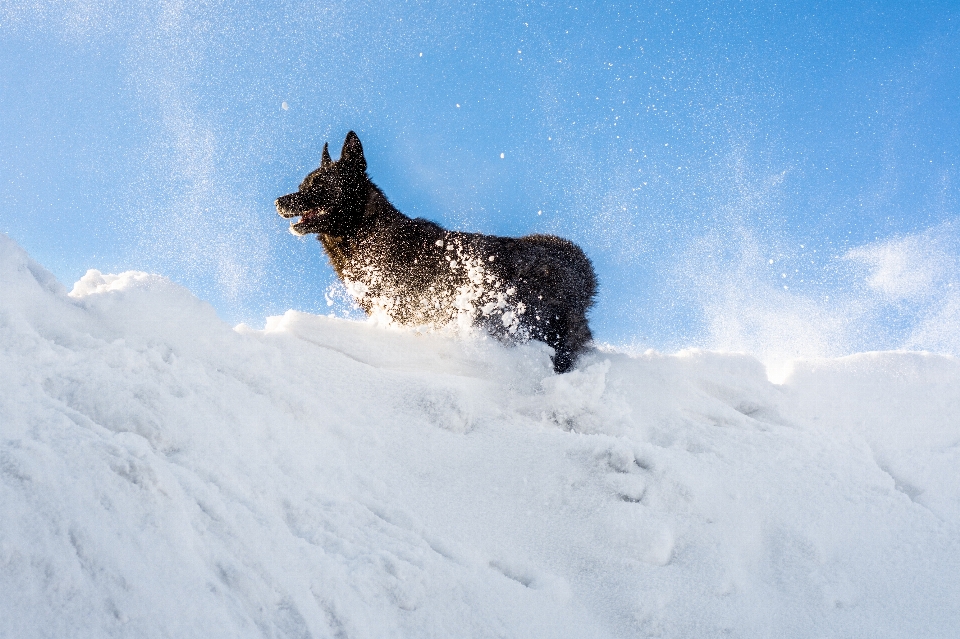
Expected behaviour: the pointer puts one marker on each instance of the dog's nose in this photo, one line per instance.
(282, 209)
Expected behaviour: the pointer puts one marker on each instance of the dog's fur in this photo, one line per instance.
(534, 287)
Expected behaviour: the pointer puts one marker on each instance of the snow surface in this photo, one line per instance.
(163, 474)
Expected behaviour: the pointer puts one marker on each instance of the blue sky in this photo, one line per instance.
(744, 175)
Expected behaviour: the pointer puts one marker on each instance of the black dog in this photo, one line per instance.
(417, 273)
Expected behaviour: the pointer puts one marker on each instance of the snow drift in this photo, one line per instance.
(163, 474)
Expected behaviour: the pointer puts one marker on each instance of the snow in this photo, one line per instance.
(164, 474)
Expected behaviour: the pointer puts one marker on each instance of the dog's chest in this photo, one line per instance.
(430, 282)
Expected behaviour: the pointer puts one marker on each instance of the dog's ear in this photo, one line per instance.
(352, 153)
(325, 160)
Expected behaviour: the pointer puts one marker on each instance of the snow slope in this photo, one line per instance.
(165, 475)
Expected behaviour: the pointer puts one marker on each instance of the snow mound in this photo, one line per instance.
(163, 474)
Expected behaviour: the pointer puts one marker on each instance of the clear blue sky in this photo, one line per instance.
(747, 148)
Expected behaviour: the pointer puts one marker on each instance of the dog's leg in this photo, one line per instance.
(569, 338)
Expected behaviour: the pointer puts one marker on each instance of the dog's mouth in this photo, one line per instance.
(295, 205)
(307, 223)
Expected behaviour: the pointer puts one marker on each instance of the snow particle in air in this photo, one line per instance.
(501, 156)
(284, 106)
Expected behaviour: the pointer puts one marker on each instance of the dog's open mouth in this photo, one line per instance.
(307, 219)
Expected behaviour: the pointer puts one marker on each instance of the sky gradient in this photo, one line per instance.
(776, 178)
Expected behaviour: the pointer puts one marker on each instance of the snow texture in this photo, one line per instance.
(163, 474)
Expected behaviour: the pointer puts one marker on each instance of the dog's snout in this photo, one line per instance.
(284, 206)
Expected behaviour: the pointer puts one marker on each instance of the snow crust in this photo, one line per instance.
(164, 474)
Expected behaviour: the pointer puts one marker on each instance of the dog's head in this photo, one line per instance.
(330, 199)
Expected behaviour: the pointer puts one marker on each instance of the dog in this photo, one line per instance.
(417, 273)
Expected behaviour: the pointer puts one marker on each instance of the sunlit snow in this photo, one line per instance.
(164, 474)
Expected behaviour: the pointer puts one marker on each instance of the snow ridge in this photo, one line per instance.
(163, 474)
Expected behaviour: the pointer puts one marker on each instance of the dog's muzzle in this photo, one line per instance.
(293, 205)
(290, 205)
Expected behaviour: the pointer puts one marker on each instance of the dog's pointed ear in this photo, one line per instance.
(352, 153)
(325, 160)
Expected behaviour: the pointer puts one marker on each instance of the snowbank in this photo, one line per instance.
(163, 474)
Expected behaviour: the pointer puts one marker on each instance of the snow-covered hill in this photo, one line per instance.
(163, 474)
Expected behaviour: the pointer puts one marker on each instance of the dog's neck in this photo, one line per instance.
(377, 211)
(378, 208)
